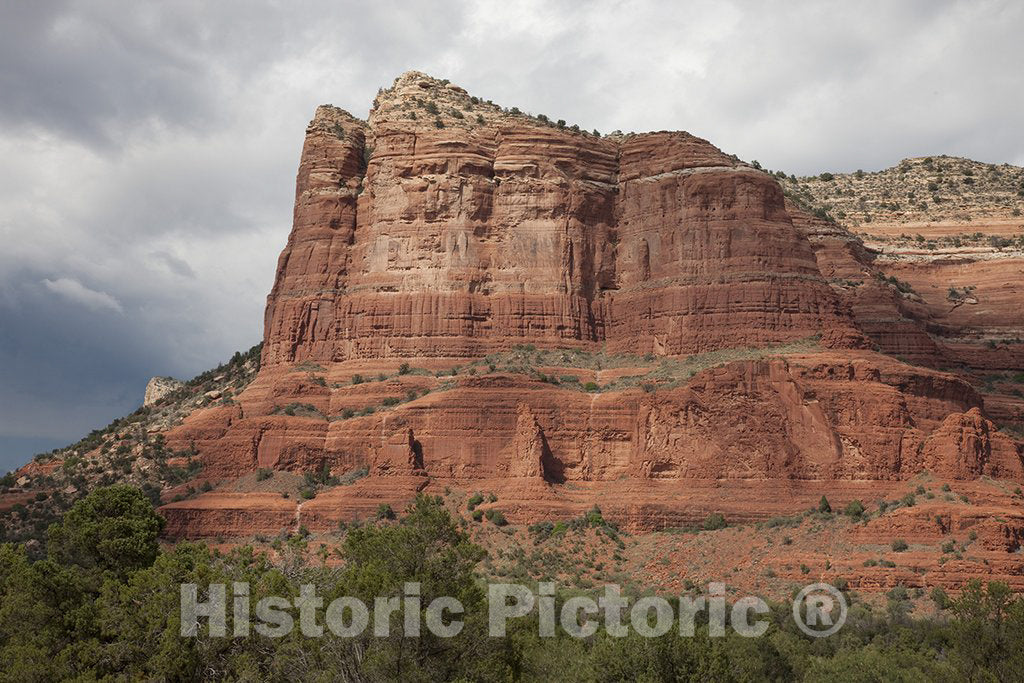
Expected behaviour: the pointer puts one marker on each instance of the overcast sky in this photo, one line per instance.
(148, 151)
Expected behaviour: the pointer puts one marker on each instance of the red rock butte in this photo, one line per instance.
(476, 298)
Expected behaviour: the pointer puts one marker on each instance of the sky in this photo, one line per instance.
(148, 150)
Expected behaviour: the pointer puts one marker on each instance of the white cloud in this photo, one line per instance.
(76, 292)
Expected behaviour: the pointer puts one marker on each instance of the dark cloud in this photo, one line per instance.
(150, 148)
(92, 72)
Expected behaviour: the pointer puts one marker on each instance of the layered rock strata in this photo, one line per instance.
(729, 356)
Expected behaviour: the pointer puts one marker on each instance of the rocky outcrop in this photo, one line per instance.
(966, 445)
(159, 387)
(530, 449)
(401, 454)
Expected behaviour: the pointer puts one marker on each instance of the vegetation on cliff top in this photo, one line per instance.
(939, 188)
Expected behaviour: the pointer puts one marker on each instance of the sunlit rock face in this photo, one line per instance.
(472, 297)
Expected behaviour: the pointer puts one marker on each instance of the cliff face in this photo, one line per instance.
(471, 296)
(489, 232)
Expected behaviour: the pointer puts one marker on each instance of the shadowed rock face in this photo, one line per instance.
(446, 233)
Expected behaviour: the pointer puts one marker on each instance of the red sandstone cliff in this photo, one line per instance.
(715, 319)
(461, 240)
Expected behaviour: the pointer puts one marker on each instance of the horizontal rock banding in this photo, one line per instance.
(444, 237)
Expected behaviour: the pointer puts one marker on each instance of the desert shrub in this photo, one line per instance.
(940, 598)
(497, 517)
(714, 522)
(854, 508)
(541, 531)
(594, 518)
